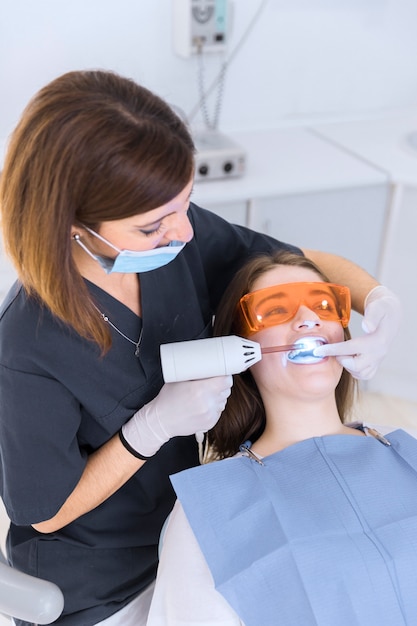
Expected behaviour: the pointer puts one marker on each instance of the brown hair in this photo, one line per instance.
(91, 146)
(244, 415)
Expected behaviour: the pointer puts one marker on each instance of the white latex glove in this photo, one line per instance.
(183, 408)
(362, 356)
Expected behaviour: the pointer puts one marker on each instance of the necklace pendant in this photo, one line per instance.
(135, 343)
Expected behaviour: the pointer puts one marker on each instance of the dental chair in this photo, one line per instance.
(26, 597)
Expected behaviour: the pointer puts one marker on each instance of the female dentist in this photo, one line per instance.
(113, 259)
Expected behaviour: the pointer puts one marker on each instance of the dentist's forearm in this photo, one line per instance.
(107, 469)
(345, 272)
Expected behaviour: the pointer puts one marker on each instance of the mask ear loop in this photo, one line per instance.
(92, 232)
(77, 239)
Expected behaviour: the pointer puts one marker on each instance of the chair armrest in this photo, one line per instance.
(28, 598)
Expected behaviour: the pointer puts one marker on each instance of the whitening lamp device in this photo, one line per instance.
(220, 356)
(205, 358)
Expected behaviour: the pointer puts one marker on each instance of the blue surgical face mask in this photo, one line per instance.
(133, 261)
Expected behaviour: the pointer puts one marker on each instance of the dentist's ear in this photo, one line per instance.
(76, 232)
(77, 229)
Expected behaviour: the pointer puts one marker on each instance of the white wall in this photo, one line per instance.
(305, 60)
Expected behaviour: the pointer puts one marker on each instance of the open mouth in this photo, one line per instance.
(304, 353)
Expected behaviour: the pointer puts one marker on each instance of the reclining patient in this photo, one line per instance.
(303, 519)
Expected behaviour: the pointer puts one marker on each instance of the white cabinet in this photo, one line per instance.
(234, 212)
(302, 189)
(398, 372)
(384, 142)
(348, 222)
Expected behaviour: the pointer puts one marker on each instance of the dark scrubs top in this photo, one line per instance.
(60, 400)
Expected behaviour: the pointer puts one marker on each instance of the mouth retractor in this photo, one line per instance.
(303, 354)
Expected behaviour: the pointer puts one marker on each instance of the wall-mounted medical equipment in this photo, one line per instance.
(200, 24)
(201, 27)
(217, 156)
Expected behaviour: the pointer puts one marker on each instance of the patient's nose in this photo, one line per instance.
(306, 318)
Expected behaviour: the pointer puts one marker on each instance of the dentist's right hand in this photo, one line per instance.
(181, 408)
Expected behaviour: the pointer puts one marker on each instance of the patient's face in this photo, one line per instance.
(275, 371)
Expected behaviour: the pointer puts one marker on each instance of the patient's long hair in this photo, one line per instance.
(244, 415)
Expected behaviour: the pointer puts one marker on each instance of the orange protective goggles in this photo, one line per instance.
(278, 304)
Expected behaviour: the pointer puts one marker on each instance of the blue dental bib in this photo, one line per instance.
(322, 533)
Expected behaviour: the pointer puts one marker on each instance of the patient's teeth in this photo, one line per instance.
(304, 354)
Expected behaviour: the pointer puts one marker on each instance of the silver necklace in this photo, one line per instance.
(135, 343)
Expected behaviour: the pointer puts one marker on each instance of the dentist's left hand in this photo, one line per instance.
(180, 408)
(362, 356)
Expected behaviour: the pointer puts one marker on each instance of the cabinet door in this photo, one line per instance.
(347, 222)
(398, 373)
(233, 212)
